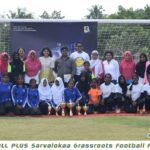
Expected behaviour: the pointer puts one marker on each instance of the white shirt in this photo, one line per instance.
(112, 67)
(118, 89)
(146, 88)
(107, 89)
(79, 59)
(47, 63)
(136, 91)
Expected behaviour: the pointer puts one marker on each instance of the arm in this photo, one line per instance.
(56, 66)
(13, 94)
(73, 67)
(25, 98)
(65, 96)
(117, 70)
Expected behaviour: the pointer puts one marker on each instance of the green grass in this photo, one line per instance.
(76, 128)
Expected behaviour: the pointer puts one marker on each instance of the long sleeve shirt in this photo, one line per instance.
(71, 94)
(19, 95)
(33, 98)
(5, 92)
(112, 67)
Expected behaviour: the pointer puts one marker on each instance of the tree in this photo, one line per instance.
(45, 15)
(55, 15)
(130, 13)
(96, 12)
(20, 13)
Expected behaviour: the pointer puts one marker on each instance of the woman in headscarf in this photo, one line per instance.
(147, 70)
(15, 67)
(45, 96)
(58, 91)
(127, 66)
(4, 60)
(141, 67)
(96, 65)
(83, 86)
(33, 66)
(57, 94)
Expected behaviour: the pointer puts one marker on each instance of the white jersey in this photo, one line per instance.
(146, 88)
(136, 91)
(118, 89)
(107, 89)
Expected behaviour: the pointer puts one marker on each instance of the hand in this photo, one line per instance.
(34, 109)
(102, 102)
(19, 106)
(134, 103)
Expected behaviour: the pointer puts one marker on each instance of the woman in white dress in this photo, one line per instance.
(47, 65)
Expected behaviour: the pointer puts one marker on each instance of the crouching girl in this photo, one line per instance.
(45, 96)
(72, 96)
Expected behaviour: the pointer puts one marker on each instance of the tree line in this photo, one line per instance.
(95, 12)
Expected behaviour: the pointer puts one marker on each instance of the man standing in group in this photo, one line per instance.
(79, 56)
(65, 66)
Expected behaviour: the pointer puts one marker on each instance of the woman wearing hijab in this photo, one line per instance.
(96, 65)
(141, 66)
(33, 66)
(4, 60)
(127, 66)
(16, 67)
(57, 93)
(147, 70)
(83, 86)
(120, 94)
(45, 96)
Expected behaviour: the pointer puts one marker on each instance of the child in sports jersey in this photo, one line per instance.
(120, 94)
(19, 96)
(108, 90)
(94, 97)
(33, 98)
(135, 93)
(146, 90)
(6, 104)
(72, 94)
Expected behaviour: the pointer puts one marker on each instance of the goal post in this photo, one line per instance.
(116, 35)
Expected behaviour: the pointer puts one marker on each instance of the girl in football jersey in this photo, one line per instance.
(134, 92)
(108, 90)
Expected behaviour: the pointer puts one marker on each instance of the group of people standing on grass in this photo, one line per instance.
(32, 84)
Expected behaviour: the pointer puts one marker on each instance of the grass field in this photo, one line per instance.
(76, 128)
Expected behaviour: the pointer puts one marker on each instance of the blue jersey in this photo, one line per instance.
(71, 94)
(5, 92)
(33, 98)
(19, 95)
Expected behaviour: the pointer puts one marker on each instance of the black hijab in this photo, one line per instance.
(122, 85)
(141, 66)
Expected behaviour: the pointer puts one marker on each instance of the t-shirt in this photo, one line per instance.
(136, 91)
(113, 68)
(118, 89)
(94, 95)
(107, 89)
(146, 88)
(79, 59)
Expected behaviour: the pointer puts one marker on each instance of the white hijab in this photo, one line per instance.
(45, 93)
(58, 91)
(96, 64)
